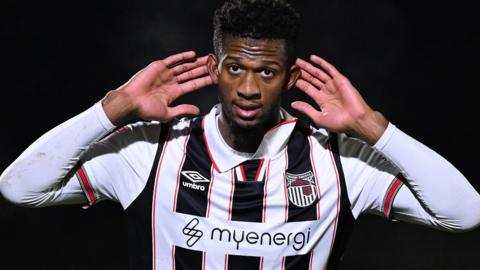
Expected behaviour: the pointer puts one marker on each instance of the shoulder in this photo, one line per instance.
(341, 143)
(134, 132)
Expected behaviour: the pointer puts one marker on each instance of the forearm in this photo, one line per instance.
(443, 192)
(369, 126)
(36, 177)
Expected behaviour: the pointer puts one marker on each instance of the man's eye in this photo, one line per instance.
(234, 69)
(267, 73)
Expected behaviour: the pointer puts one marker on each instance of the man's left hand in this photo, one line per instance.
(342, 108)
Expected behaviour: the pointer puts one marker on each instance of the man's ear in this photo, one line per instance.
(295, 73)
(212, 66)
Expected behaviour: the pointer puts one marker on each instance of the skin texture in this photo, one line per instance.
(149, 93)
(342, 107)
(251, 75)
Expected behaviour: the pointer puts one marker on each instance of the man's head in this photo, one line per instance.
(256, 19)
(254, 42)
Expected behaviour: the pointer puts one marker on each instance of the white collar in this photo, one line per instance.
(224, 158)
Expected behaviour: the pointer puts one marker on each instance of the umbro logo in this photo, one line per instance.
(190, 230)
(197, 181)
(195, 176)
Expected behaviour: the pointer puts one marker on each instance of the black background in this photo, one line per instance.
(416, 62)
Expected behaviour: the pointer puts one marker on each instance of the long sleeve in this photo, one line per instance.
(40, 175)
(435, 192)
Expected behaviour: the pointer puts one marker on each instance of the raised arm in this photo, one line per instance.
(43, 175)
(434, 188)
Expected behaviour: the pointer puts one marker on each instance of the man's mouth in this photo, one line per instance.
(246, 111)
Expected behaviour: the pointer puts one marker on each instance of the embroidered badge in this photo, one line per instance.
(302, 190)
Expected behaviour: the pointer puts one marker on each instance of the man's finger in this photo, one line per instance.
(329, 68)
(308, 110)
(177, 58)
(314, 71)
(195, 84)
(318, 96)
(311, 79)
(192, 74)
(183, 109)
(307, 88)
(202, 61)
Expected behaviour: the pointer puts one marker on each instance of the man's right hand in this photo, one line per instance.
(149, 93)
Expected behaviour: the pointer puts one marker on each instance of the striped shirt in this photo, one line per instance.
(193, 202)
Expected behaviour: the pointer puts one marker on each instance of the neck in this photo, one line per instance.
(244, 139)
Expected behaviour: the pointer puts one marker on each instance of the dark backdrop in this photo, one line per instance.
(415, 62)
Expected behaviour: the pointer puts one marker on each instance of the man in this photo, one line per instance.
(246, 186)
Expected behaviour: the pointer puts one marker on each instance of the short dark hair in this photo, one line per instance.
(257, 19)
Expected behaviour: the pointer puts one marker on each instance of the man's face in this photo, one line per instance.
(251, 75)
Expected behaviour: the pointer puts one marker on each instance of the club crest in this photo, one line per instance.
(302, 190)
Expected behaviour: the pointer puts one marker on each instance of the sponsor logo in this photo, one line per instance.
(195, 176)
(241, 238)
(192, 232)
(302, 190)
(296, 240)
(196, 180)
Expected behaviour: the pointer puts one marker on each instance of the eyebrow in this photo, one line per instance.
(265, 62)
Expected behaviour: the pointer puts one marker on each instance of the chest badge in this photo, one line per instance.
(301, 188)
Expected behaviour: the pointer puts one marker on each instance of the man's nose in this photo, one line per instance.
(249, 88)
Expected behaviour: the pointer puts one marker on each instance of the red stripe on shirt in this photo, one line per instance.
(258, 170)
(232, 182)
(310, 264)
(390, 195)
(208, 148)
(265, 192)
(285, 185)
(335, 168)
(317, 181)
(173, 258)
(293, 120)
(210, 191)
(204, 264)
(86, 184)
(155, 203)
(242, 170)
(178, 173)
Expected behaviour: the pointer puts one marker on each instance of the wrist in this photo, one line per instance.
(118, 107)
(370, 127)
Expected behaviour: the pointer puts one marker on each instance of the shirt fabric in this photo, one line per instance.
(196, 203)
(193, 202)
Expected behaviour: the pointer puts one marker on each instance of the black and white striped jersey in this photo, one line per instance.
(195, 203)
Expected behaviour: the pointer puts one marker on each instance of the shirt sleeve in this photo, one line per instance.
(41, 175)
(117, 167)
(82, 161)
(435, 192)
(372, 181)
(403, 179)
